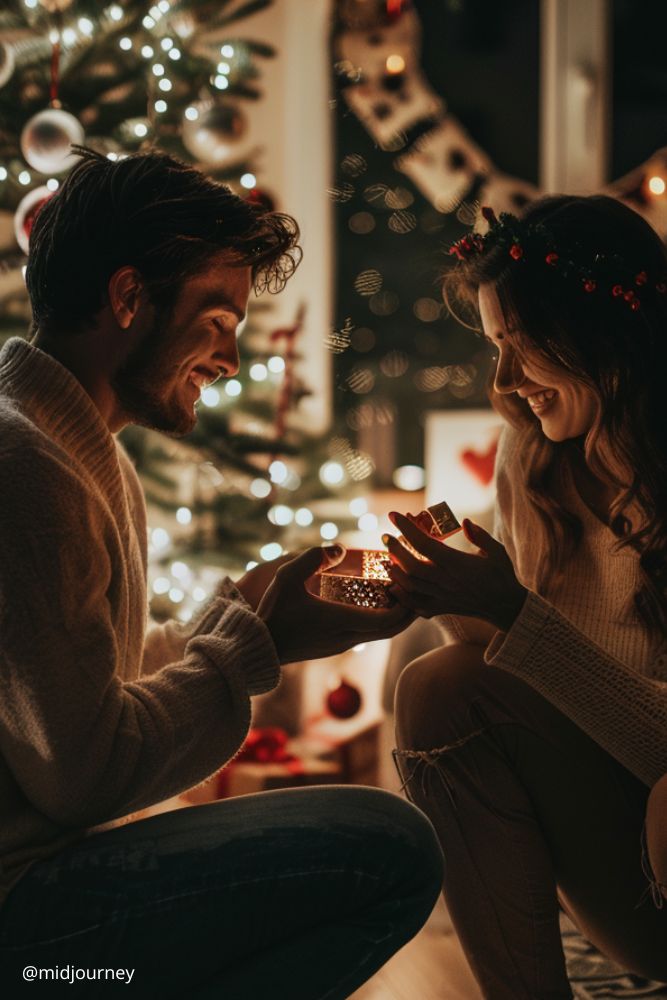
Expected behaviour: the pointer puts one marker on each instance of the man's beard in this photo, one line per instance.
(140, 387)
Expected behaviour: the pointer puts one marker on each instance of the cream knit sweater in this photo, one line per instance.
(575, 643)
(100, 716)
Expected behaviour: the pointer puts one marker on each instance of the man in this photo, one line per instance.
(139, 272)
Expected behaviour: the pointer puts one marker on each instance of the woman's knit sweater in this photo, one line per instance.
(575, 642)
(100, 715)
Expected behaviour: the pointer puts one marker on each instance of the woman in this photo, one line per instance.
(536, 738)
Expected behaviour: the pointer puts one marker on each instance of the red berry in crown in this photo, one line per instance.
(516, 252)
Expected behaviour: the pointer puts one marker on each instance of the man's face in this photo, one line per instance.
(160, 380)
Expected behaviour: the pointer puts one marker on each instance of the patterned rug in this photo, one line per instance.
(592, 976)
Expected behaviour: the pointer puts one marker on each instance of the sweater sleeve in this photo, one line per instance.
(166, 641)
(621, 709)
(85, 745)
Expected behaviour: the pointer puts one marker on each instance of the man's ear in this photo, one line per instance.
(126, 294)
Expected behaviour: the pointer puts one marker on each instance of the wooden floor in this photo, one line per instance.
(430, 967)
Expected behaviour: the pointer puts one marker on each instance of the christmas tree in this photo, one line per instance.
(247, 484)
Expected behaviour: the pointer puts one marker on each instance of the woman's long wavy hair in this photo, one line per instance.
(619, 353)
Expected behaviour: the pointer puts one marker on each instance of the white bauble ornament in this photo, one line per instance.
(46, 138)
(211, 137)
(26, 213)
(7, 62)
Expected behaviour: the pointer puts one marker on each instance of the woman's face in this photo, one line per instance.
(564, 407)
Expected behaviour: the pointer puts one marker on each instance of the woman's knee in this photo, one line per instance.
(433, 694)
(656, 832)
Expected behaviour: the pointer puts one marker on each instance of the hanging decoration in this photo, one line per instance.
(212, 135)
(379, 72)
(46, 139)
(26, 213)
(344, 701)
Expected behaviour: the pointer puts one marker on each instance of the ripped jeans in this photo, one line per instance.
(530, 813)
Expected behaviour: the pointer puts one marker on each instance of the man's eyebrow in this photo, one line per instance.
(216, 302)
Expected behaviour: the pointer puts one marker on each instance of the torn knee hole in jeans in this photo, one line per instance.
(419, 762)
(658, 890)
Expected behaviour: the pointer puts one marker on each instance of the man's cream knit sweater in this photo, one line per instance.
(574, 642)
(100, 715)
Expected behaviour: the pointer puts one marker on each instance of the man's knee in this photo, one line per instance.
(433, 694)
(656, 831)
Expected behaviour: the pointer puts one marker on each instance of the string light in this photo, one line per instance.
(164, 6)
(199, 594)
(395, 64)
(140, 130)
(409, 477)
(221, 82)
(227, 51)
(166, 44)
(258, 372)
(164, 84)
(125, 43)
(160, 538)
(158, 69)
(176, 595)
(184, 515)
(24, 177)
(3, 173)
(160, 106)
(210, 396)
(281, 514)
(148, 22)
(69, 36)
(52, 184)
(367, 522)
(192, 114)
(276, 364)
(358, 506)
(115, 12)
(656, 185)
(260, 488)
(112, 156)
(161, 585)
(251, 565)
(174, 53)
(328, 531)
(180, 570)
(271, 551)
(248, 181)
(233, 387)
(147, 51)
(31, 3)
(85, 26)
(278, 472)
(303, 517)
(224, 67)
(332, 473)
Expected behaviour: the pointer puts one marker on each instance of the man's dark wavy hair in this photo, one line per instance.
(156, 213)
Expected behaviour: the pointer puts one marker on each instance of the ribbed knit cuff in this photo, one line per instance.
(227, 589)
(242, 639)
(509, 649)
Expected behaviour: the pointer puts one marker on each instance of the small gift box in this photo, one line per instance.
(366, 586)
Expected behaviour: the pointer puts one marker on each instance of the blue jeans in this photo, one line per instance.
(299, 894)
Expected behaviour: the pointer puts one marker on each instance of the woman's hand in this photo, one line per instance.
(480, 585)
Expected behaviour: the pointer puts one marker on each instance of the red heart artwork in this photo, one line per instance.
(481, 463)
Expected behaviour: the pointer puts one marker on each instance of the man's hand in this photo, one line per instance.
(253, 583)
(481, 585)
(305, 627)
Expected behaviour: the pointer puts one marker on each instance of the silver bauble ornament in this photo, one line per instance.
(7, 62)
(26, 213)
(214, 133)
(46, 138)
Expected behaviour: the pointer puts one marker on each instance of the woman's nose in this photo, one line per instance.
(509, 373)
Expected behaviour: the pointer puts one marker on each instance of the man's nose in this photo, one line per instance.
(509, 373)
(229, 360)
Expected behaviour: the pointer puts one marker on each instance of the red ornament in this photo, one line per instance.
(635, 305)
(344, 701)
(590, 285)
(256, 196)
(629, 296)
(641, 278)
(617, 290)
(516, 252)
(551, 258)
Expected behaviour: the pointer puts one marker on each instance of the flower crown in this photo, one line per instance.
(525, 240)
